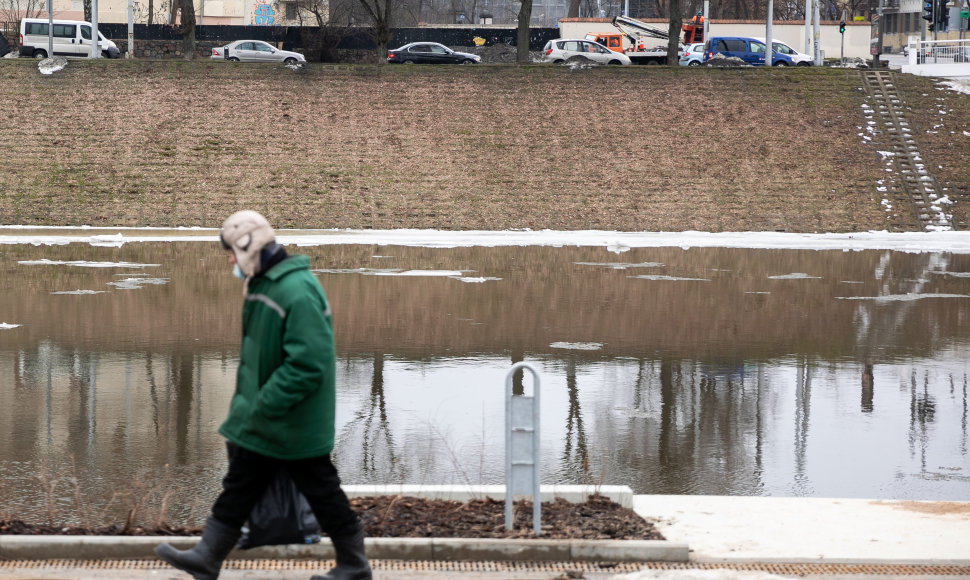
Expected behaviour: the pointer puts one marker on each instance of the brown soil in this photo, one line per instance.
(409, 517)
(173, 143)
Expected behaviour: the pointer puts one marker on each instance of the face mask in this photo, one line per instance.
(237, 272)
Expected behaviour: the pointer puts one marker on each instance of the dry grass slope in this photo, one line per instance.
(496, 147)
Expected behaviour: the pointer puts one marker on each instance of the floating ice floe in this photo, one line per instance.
(577, 345)
(794, 276)
(115, 241)
(668, 278)
(712, 574)
(444, 273)
(621, 265)
(8, 326)
(903, 297)
(79, 292)
(137, 283)
(364, 271)
(478, 280)
(85, 264)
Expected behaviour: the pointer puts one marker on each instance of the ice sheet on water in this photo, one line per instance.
(8, 326)
(79, 292)
(476, 280)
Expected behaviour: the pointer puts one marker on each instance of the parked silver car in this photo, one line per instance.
(692, 55)
(255, 51)
(578, 50)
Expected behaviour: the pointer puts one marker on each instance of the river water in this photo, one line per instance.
(673, 370)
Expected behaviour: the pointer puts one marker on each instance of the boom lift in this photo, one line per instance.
(638, 32)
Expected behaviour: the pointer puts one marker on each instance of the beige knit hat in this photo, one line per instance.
(246, 233)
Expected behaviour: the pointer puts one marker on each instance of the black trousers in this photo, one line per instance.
(316, 477)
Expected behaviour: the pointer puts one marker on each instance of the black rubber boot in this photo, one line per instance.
(203, 561)
(351, 560)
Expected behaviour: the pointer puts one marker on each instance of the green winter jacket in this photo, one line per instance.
(285, 395)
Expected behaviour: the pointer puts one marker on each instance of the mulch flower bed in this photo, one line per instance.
(599, 518)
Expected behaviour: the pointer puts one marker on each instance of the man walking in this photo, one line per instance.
(282, 413)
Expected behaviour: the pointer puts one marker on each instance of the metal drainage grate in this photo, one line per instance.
(438, 566)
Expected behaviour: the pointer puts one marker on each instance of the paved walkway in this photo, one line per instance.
(729, 538)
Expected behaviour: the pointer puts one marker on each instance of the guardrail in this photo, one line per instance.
(939, 52)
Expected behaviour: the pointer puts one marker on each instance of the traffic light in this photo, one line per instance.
(942, 15)
(842, 27)
(928, 11)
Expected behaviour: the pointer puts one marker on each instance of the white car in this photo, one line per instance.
(255, 51)
(578, 50)
(797, 58)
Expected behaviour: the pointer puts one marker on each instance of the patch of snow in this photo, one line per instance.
(49, 66)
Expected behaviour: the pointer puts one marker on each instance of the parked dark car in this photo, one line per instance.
(750, 50)
(4, 46)
(430, 53)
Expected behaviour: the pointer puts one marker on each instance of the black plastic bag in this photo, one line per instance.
(281, 516)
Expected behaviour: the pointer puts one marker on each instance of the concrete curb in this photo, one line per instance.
(621, 495)
(424, 549)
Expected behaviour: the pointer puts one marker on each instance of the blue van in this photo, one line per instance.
(750, 50)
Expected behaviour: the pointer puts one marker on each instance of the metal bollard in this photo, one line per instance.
(522, 447)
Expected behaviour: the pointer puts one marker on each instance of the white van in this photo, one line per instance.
(71, 38)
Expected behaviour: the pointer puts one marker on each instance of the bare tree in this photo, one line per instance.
(379, 12)
(188, 29)
(14, 10)
(673, 34)
(522, 32)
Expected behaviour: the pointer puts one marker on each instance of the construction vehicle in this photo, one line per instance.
(639, 35)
